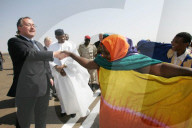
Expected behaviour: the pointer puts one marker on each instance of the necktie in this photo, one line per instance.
(45, 48)
(34, 44)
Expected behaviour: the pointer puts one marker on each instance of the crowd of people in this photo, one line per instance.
(138, 89)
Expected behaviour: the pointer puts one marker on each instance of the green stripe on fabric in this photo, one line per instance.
(127, 63)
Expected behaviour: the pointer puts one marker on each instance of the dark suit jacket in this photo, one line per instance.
(49, 70)
(97, 43)
(30, 71)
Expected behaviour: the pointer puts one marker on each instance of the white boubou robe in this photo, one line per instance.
(73, 90)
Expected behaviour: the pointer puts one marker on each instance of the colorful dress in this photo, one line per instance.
(134, 100)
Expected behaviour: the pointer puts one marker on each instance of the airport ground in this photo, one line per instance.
(54, 120)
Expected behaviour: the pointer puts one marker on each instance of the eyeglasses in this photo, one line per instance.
(30, 25)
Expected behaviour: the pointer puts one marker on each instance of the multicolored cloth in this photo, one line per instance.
(127, 63)
(133, 100)
(162, 52)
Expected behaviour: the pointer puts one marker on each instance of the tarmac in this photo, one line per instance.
(54, 120)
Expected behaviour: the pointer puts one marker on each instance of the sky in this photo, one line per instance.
(157, 20)
(136, 20)
(176, 17)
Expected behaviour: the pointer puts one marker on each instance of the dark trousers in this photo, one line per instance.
(29, 106)
(17, 123)
(52, 90)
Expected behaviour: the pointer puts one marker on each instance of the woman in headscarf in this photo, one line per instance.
(137, 91)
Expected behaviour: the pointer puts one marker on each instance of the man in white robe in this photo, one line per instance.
(71, 79)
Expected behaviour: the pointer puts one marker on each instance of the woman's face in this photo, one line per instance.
(105, 53)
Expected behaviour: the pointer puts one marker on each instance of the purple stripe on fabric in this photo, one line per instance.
(127, 110)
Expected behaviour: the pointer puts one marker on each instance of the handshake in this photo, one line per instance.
(60, 54)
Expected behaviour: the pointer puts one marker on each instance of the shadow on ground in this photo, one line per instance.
(53, 116)
(10, 103)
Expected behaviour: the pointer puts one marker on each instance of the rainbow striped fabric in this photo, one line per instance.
(133, 100)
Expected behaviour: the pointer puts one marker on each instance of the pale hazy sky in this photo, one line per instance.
(176, 17)
(158, 20)
(137, 20)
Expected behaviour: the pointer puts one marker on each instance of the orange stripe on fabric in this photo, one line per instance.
(110, 118)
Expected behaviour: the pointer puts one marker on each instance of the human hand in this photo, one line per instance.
(59, 54)
(64, 66)
(67, 53)
(58, 68)
(63, 73)
(51, 81)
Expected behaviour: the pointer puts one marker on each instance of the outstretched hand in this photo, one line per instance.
(59, 54)
(67, 53)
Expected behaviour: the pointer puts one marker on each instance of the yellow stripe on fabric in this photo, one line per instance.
(167, 100)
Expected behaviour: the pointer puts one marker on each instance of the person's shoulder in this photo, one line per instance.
(97, 42)
(81, 45)
(14, 40)
(69, 43)
(92, 45)
(52, 45)
(188, 61)
(189, 56)
(37, 42)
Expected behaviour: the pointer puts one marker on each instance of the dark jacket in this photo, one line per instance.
(30, 71)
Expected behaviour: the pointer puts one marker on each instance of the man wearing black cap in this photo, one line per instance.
(71, 80)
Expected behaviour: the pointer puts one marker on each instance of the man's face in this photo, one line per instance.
(87, 41)
(61, 39)
(66, 37)
(178, 45)
(100, 37)
(47, 43)
(27, 28)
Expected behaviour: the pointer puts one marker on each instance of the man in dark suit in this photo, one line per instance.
(100, 39)
(31, 75)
